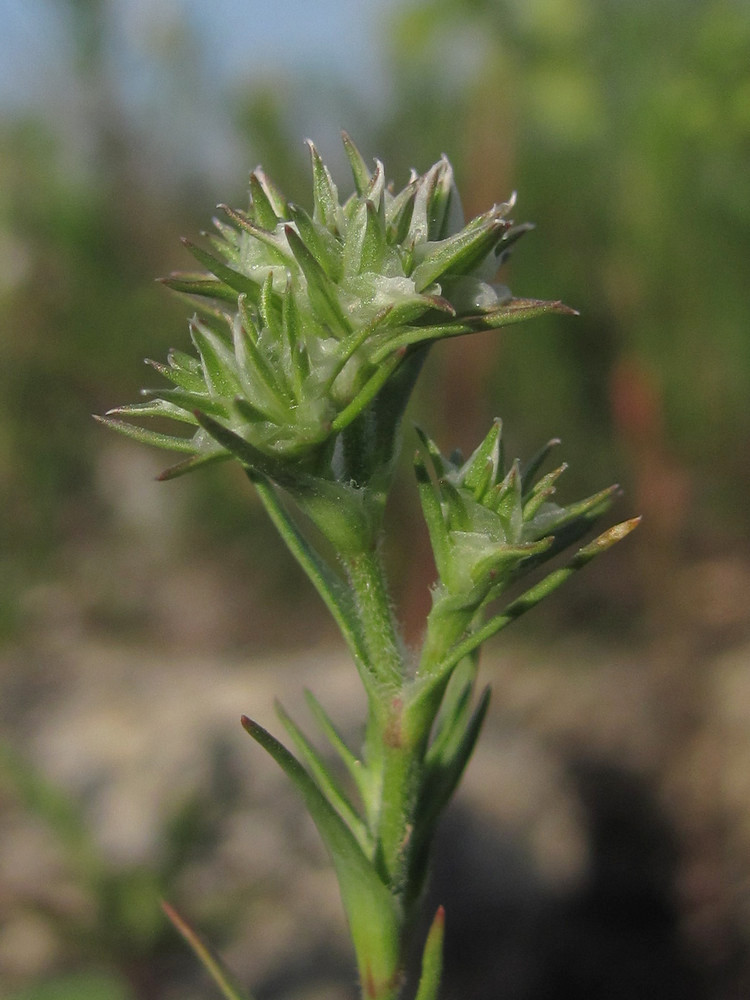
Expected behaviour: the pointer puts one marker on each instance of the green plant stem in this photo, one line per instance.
(381, 639)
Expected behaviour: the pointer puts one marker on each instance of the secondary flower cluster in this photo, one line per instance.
(488, 523)
(302, 319)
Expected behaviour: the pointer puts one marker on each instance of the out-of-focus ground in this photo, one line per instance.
(599, 845)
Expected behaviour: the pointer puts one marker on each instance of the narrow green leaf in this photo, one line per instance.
(247, 453)
(210, 960)
(432, 959)
(191, 464)
(325, 780)
(367, 900)
(353, 765)
(515, 311)
(447, 762)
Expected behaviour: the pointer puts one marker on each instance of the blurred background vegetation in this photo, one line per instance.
(625, 129)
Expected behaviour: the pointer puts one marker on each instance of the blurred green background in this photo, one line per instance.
(625, 128)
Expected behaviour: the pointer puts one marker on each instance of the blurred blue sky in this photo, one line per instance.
(240, 39)
(213, 48)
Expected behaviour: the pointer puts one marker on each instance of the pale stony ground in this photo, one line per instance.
(128, 732)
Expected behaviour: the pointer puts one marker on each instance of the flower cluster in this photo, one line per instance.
(489, 524)
(302, 319)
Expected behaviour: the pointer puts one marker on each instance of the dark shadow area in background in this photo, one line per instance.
(614, 937)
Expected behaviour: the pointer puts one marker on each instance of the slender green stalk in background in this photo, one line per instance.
(310, 332)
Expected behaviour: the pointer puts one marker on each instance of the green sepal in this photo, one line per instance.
(267, 205)
(217, 359)
(367, 900)
(179, 401)
(278, 251)
(459, 254)
(360, 170)
(324, 247)
(241, 283)
(432, 959)
(505, 501)
(433, 515)
(541, 492)
(157, 408)
(210, 288)
(530, 469)
(271, 193)
(366, 244)
(209, 959)
(323, 297)
(278, 396)
(189, 380)
(571, 523)
(326, 208)
(250, 456)
(484, 466)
